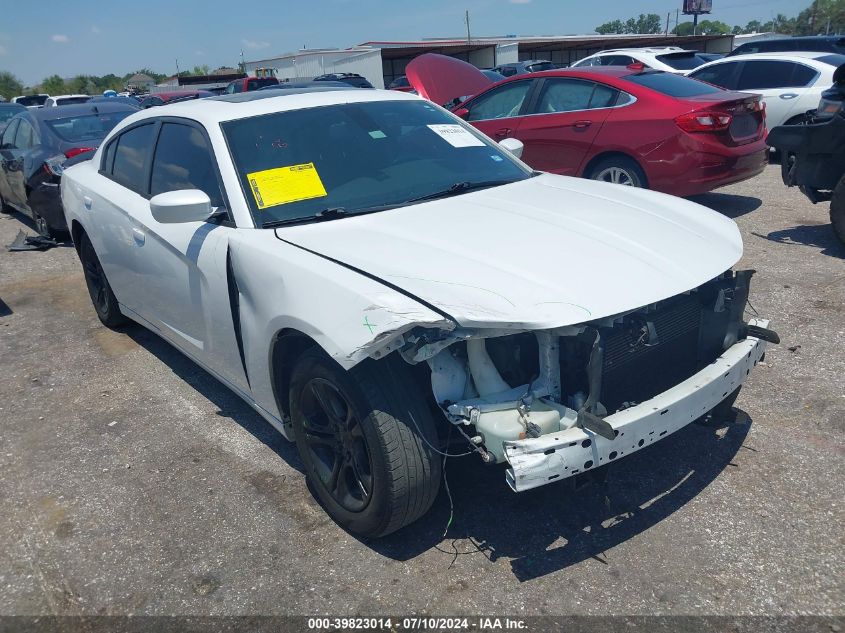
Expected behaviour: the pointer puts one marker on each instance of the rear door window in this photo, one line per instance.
(130, 157)
(768, 74)
(502, 102)
(723, 75)
(27, 137)
(681, 61)
(9, 134)
(569, 95)
(183, 160)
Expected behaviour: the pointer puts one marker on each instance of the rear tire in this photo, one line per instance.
(105, 303)
(364, 437)
(618, 170)
(837, 209)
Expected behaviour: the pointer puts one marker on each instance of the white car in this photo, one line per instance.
(376, 277)
(790, 84)
(671, 59)
(61, 100)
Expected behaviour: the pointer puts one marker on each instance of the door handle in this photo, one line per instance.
(583, 124)
(86, 200)
(788, 95)
(503, 132)
(139, 236)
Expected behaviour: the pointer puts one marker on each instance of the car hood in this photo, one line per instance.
(545, 252)
(442, 79)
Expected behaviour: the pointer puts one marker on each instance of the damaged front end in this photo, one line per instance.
(554, 403)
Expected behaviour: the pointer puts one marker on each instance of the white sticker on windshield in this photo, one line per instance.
(456, 135)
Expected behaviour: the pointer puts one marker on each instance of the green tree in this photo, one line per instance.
(705, 27)
(10, 86)
(643, 24)
(611, 28)
(54, 85)
(201, 70)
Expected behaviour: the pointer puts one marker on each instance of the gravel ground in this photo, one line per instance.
(134, 483)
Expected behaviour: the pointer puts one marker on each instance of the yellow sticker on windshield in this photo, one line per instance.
(282, 185)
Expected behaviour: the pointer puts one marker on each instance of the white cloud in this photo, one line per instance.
(95, 29)
(254, 44)
(61, 39)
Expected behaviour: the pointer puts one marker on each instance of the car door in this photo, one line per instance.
(562, 122)
(497, 112)
(8, 158)
(780, 83)
(17, 163)
(182, 273)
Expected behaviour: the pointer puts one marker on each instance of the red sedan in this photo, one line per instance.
(626, 125)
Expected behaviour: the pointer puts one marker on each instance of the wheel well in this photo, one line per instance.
(595, 160)
(287, 346)
(76, 232)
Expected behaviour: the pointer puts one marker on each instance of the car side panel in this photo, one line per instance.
(558, 143)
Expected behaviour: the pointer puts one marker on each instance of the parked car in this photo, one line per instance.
(816, 43)
(636, 127)
(521, 68)
(161, 98)
(34, 149)
(7, 111)
(492, 75)
(790, 84)
(131, 101)
(668, 58)
(248, 84)
(63, 100)
(328, 257)
(307, 85)
(31, 101)
(353, 79)
(401, 84)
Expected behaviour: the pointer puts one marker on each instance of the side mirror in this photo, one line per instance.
(512, 145)
(188, 205)
(461, 112)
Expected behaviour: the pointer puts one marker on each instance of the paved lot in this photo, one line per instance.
(133, 482)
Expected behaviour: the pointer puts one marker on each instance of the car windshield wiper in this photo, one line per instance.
(331, 213)
(458, 188)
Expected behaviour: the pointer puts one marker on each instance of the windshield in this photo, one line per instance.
(357, 156)
(31, 100)
(832, 60)
(88, 127)
(541, 66)
(72, 100)
(672, 85)
(682, 61)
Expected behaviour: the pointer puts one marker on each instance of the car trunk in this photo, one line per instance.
(747, 115)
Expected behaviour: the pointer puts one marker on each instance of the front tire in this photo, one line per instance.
(365, 438)
(837, 209)
(618, 170)
(105, 303)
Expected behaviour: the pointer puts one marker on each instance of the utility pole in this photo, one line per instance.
(694, 23)
(677, 17)
(177, 69)
(466, 19)
(668, 15)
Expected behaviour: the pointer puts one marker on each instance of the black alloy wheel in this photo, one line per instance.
(336, 444)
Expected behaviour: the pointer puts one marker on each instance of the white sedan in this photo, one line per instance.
(790, 84)
(377, 278)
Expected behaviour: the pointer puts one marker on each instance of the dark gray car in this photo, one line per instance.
(34, 149)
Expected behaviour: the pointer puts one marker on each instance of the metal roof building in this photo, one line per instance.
(382, 61)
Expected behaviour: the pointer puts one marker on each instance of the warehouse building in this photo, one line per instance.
(382, 61)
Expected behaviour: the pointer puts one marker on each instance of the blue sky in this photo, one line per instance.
(94, 37)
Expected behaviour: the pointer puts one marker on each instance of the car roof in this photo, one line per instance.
(782, 55)
(214, 110)
(76, 96)
(79, 109)
(650, 50)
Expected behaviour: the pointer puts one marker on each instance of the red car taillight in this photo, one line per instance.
(704, 121)
(76, 151)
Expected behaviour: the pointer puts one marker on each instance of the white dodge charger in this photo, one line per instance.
(386, 286)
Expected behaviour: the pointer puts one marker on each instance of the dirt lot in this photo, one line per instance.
(133, 482)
